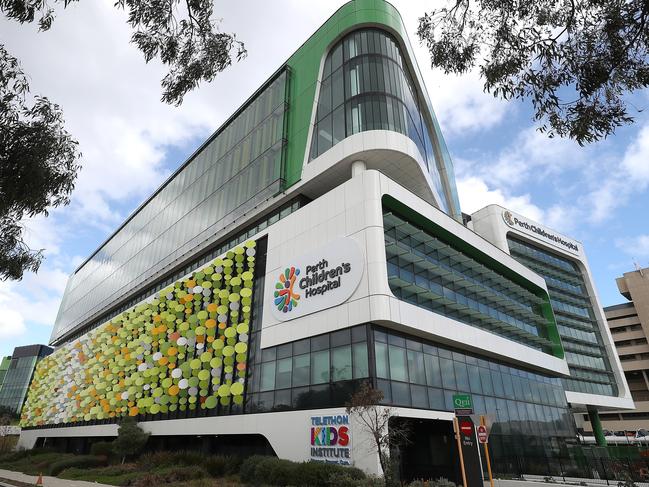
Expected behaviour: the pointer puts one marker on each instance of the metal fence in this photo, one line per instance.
(585, 470)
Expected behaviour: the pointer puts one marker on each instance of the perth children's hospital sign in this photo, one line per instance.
(318, 280)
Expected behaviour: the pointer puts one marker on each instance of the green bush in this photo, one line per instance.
(171, 475)
(81, 461)
(102, 448)
(249, 467)
(220, 466)
(274, 471)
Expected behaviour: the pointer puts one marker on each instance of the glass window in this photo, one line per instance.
(284, 371)
(268, 376)
(301, 370)
(320, 367)
(474, 379)
(416, 369)
(381, 352)
(462, 377)
(401, 393)
(433, 372)
(319, 343)
(361, 368)
(341, 363)
(448, 374)
(398, 367)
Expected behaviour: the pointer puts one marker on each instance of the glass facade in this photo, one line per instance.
(529, 410)
(576, 322)
(321, 371)
(236, 169)
(432, 272)
(240, 237)
(4, 366)
(366, 85)
(18, 375)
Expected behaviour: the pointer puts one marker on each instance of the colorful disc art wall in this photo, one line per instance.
(183, 349)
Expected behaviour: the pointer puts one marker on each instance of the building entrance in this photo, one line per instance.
(430, 453)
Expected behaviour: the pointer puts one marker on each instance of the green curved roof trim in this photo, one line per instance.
(185, 348)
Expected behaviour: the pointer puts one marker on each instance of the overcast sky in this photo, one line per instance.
(131, 143)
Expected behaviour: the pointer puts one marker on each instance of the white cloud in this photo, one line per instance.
(12, 323)
(475, 194)
(636, 158)
(637, 246)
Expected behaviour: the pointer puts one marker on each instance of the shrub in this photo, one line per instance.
(274, 471)
(82, 461)
(102, 448)
(442, 482)
(171, 475)
(249, 467)
(220, 466)
(318, 473)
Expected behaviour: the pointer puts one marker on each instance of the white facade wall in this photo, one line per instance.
(491, 224)
(354, 210)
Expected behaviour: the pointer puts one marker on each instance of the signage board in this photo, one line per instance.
(539, 232)
(483, 436)
(331, 439)
(463, 404)
(470, 455)
(317, 280)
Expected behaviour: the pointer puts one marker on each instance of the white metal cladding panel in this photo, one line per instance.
(354, 210)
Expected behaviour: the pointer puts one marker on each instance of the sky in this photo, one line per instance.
(131, 142)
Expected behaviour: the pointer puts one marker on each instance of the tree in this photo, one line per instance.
(183, 34)
(365, 406)
(38, 157)
(575, 61)
(38, 165)
(130, 438)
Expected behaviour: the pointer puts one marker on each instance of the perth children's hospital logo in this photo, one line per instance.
(285, 298)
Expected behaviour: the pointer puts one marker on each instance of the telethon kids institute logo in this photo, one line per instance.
(285, 298)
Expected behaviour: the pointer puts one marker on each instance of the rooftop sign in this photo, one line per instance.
(538, 232)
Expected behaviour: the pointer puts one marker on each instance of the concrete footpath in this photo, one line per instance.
(47, 481)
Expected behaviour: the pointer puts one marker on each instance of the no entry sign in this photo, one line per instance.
(482, 434)
(466, 427)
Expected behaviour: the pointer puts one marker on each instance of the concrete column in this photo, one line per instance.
(358, 167)
(593, 415)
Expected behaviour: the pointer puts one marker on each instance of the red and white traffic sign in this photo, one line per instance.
(466, 427)
(482, 434)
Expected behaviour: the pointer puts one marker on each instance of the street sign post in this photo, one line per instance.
(483, 426)
(482, 433)
(468, 451)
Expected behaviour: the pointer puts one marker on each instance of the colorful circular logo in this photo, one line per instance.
(285, 298)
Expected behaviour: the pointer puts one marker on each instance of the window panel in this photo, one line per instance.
(361, 367)
(320, 367)
(341, 363)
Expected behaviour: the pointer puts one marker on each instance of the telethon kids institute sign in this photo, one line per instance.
(331, 439)
(315, 281)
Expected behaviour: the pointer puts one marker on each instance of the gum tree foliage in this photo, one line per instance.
(365, 406)
(38, 165)
(38, 157)
(574, 59)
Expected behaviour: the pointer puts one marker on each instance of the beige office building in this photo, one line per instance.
(629, 324)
